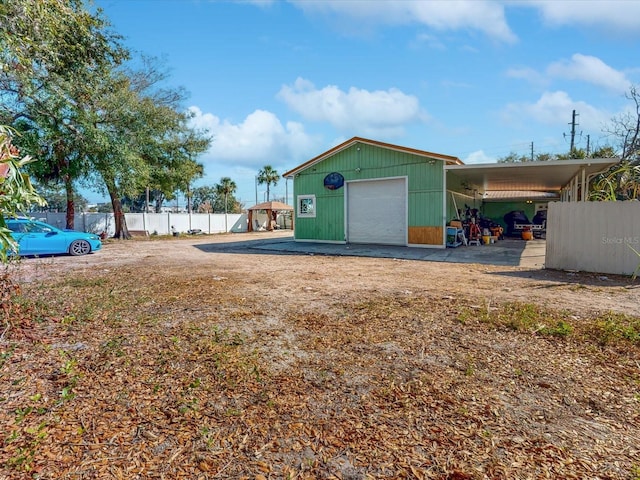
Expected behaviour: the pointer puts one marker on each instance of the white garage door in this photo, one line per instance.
(377, 212)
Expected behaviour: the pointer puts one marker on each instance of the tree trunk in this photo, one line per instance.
(63, 167)
(122, 232)
(71, 206)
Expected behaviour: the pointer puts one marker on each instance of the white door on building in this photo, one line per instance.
(377, 211)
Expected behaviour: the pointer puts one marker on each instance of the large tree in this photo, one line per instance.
(91, 120)
(53, 52)
(268, 176)
(137, 133)
(203, 199)
(225, 188)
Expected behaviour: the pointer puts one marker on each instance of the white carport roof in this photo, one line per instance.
(528, 195)
(529, 176)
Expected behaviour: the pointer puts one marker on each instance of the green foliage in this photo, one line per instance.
(57, 51)
(268, 176)
(616, 327)
(85, 116)
(635, 272)
(56, 199)
(605, 329)
(513, 157)
(16, 192)
(225, 190)
(620, 182)
(561, 328)
(204, 199)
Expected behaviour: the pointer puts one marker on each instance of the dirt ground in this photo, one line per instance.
(332, 277)
(204, 357)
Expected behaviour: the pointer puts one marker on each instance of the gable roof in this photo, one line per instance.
(355, 140)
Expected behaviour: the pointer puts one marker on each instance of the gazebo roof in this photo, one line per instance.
(271, 206)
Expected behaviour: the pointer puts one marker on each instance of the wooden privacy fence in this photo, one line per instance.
(593, 236)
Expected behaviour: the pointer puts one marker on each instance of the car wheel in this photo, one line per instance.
(79, 247)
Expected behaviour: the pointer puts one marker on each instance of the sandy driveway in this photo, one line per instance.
(305, 271)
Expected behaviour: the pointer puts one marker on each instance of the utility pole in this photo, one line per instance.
(588, 141)
(532, 151)
(573, 132)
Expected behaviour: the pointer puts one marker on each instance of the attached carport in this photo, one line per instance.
(566, 180)
(521, 190)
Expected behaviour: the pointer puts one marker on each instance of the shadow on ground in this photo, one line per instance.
(508, 252)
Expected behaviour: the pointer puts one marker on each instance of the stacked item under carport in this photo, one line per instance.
(518, 222)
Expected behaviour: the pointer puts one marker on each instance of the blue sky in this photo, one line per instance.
(279, 82)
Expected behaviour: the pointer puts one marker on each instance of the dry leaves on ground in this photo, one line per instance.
(201, 372)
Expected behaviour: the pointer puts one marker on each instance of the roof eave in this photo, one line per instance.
(449, 160)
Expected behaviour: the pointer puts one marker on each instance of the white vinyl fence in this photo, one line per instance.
(152, 223)
(593, 236)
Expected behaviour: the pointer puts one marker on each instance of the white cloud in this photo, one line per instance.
(611, 15)
(478, 15)
(431, 41)
(591, 70)
(555, 108)
(372, 113)
(529, 74)
(478, 157)
(261, 138)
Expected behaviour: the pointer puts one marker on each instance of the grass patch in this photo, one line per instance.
(612, 328)
(603, 329)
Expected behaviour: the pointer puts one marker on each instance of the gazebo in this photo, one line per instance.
(272, 209)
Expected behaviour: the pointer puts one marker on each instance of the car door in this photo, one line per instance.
(18, 232)
(41, 239)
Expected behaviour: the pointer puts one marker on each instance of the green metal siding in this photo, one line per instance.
(363, 162)
(463, 196)
(497, 210)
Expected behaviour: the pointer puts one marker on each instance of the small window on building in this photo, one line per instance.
(307, 206)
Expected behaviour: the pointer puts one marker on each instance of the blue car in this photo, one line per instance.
(39, 238)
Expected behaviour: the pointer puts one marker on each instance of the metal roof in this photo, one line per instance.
(528, 176)
(533, 196)
(448, 159)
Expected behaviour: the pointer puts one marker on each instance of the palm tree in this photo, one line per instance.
(268, 175)
(226, 187)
